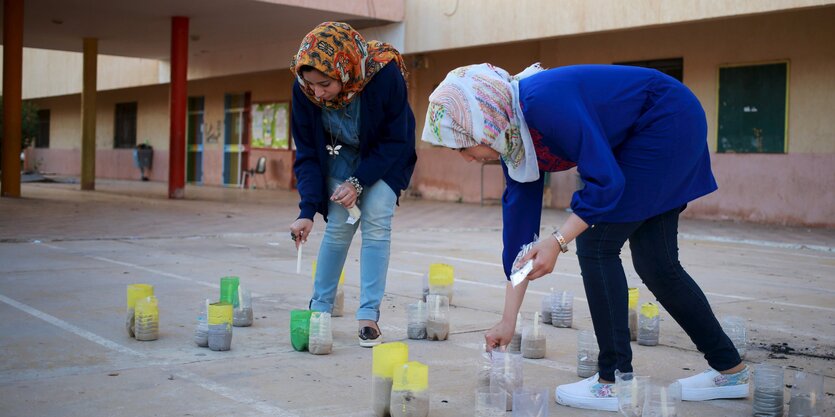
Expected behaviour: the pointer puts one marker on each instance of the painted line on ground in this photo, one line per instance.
(109, 344)
(756, 242)
(38, 242)
(142, 268)
(154, 271)
(502, 287)
(548, 363)
(471, 261)
(773, 251)
(476, 283)
(452, 258)
(405, 272)
(207, 384)
(769, 301)
(163, 273)
(781, 303)
(146, 269)
(233, 394)
(684, 236)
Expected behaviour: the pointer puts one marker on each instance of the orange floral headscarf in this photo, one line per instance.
(341, 53)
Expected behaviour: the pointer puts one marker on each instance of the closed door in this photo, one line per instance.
(236, 137)
(194, 136)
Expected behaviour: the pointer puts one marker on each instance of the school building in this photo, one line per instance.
(764, 72)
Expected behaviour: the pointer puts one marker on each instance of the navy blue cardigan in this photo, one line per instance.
(387, 141)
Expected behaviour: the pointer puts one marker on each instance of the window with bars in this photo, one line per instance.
(42, 138)
(125, 131)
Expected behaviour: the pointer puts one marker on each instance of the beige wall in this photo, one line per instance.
(445, 24)
(152, 117)
(805, 38)
(63, 155)
(795, 188)
(53, 73)
(380, 9)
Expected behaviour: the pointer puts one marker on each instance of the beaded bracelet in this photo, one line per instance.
(356, 183)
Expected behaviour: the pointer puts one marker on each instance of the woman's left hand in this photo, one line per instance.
(544, 254)
(345, 194)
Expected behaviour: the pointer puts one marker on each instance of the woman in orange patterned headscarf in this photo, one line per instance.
(339, 52)
(355, 147)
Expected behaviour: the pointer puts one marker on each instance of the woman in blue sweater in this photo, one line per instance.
(637, 138)
(355, 146)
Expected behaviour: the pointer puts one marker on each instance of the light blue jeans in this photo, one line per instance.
(377, 204)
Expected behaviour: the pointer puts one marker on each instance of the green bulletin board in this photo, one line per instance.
(753, 105)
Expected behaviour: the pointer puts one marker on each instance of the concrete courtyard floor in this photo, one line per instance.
(66, 257)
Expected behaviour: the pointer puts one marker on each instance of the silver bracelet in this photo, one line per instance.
(356, 183)
(560, 240)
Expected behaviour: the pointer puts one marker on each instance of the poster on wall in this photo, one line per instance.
(271, 125)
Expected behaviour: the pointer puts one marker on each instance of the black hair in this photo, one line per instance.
(305, 68)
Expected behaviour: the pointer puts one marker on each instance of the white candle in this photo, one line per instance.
(507, 366)
(536, 325)
(664, 412)
(634, 392)
(299, 259)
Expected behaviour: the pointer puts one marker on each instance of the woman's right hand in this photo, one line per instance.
(544, 255)
(499, 335)
(300, 230)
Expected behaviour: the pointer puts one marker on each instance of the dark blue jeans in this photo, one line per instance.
(654, 247)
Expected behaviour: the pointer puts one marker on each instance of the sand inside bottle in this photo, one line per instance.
(437, 329)
(380, 395)
(409, 404)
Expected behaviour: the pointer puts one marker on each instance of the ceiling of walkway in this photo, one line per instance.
(142, 28)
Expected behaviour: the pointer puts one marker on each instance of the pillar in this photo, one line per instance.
(179, 96)
(12, 96)
(88, 115)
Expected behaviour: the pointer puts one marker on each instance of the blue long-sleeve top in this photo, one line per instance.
(637, 137)
(386, 134)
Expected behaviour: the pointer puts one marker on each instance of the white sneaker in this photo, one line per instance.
(588, 394)
(711, 385)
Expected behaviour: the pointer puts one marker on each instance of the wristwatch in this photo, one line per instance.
(561, 241)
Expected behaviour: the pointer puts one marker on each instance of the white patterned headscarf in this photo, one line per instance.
(479, 104)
